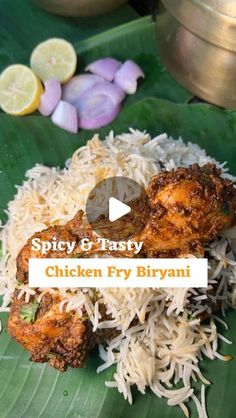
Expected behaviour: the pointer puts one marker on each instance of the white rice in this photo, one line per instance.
(165, 348)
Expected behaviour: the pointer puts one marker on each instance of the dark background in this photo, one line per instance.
(145, 6)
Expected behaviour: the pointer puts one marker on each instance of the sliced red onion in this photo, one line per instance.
(50, 98)
(100, 105)
(127, 76)
(105, 89)
(72, 90)
(96, 111)
(65, 116)
(105, 67)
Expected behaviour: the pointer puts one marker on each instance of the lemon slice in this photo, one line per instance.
(20, 90)
(54, 59)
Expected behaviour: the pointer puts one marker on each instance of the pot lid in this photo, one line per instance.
(212, 20)
(226, 7)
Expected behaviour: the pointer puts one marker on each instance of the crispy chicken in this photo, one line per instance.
(72, 231)
(60, 338)
(189, 206)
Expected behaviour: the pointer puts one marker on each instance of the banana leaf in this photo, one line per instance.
(23, 25)
(33, 390)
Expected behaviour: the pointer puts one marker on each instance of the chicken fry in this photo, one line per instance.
(190, 206)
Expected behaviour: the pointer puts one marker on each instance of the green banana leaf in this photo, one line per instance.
(33, 390)
(23, 25)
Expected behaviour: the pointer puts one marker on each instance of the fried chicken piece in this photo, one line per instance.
(60, 338)
(72, 231)
(128, 225)
(189, 206)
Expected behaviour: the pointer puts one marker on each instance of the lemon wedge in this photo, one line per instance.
(20, 90)
(54, 59)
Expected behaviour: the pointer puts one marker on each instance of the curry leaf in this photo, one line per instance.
(28, 311)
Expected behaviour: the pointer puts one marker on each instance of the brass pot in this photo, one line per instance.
(197, 43)
(79, 7)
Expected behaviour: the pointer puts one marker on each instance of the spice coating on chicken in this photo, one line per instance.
(59, 338)
(189, 206)
(53, 335)
(72, 231)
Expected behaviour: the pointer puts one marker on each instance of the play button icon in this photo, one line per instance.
(117, 208)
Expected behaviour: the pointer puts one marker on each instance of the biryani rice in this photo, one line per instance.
(167, 347)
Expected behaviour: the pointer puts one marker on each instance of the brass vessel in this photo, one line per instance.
(197, 43)
(81, 8)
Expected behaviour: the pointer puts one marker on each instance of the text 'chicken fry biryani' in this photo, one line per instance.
(156, 337)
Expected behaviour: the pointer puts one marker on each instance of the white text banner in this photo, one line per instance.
(118, 272)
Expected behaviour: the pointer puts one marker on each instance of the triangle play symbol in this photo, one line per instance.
(117, 209)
